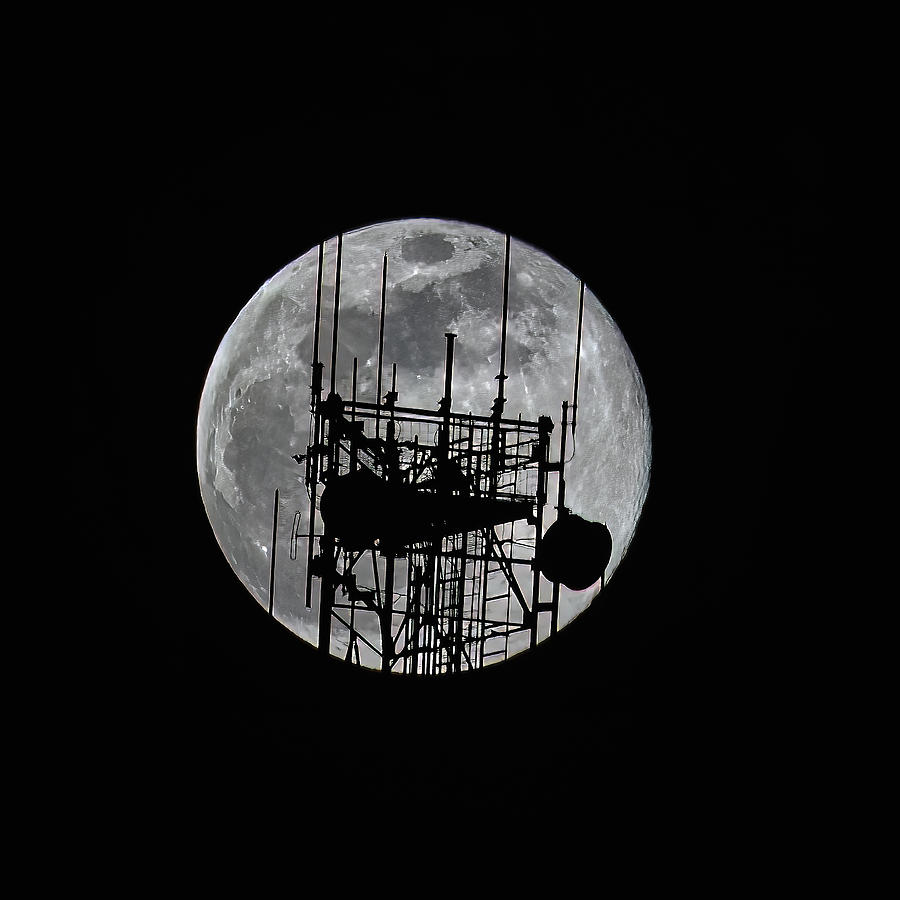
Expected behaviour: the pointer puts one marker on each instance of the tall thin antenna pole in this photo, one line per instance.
(577, 355)
(318, 303)
(313, 459)
(384, 267)
(500, 401)
(353, 437)
(272, 556)
(446, 403)
(450, 337)
(337, 307)
(502, 376)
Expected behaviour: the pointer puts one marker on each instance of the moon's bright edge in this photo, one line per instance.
(442, 277)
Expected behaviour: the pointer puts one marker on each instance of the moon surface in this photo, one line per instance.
(442, 277)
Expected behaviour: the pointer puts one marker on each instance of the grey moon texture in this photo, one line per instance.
(443, 276)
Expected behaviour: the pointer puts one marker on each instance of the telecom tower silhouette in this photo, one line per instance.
(437, 537)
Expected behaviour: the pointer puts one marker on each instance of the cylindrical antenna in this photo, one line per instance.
(561, 487)
(384, 267)
(318, 303)
(502, 376)
(447, 400)
(560, 510)
(577, 355)
(337, 306)
(314, 460)
(500, 401)
(448, 370)
(391, 399)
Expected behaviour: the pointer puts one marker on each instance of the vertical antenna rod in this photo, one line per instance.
(502, 376)
(577, 355)
(384, 267)
(327, 544)
(318, 303)
(354, 453)
(446, 402)
(337, 306)
(272, 560)
(500, 401)
(313, 459)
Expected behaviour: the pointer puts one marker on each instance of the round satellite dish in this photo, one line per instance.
(575, 552)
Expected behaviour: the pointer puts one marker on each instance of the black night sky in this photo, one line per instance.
(691, 194)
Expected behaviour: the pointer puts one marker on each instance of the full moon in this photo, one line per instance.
(442, 277)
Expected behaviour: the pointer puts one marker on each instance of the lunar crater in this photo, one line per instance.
(427, 248)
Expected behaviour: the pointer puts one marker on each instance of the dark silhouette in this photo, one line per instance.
(575, 552)
(459, 503)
